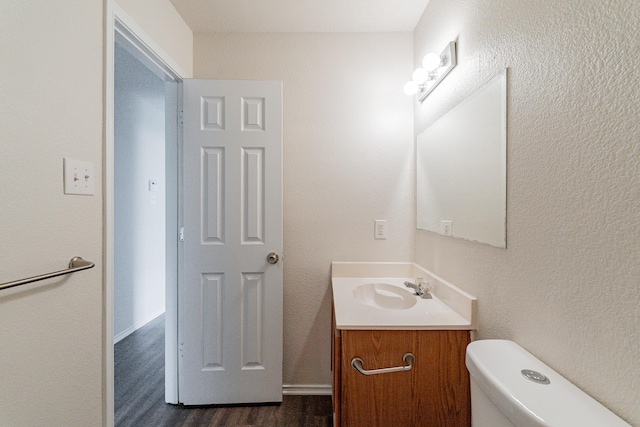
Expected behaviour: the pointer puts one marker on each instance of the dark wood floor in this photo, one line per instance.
(139, 394)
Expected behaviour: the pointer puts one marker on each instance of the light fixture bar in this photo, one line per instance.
(448, 61)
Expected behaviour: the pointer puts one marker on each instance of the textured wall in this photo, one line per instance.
(567, 288)
(347, 161)
(50, 108)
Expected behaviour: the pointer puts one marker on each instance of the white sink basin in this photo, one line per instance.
(372, 296)
(384, 295)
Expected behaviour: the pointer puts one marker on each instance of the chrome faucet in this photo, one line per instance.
(421, 290)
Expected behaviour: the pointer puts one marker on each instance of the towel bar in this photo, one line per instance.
(408, 359)
(75, 264)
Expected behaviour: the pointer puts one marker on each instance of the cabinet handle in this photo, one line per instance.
(408, 358)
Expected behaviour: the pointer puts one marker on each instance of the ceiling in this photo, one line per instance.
(287, 16)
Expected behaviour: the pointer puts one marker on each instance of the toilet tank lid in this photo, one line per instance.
(496, 365)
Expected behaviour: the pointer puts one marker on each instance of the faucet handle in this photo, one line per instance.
(427, 289)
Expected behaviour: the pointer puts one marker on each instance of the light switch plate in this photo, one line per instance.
(78, 177)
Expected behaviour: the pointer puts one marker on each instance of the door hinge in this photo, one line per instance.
(181, 117)
(181, 234)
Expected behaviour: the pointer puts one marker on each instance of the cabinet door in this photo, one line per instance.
(376, 400)
(434, 393)
(442, 379)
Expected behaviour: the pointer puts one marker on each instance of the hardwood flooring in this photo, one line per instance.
(139, 394)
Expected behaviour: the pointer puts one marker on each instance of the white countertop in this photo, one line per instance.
(450, 308)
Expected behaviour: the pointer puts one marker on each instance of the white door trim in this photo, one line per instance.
(117, 22)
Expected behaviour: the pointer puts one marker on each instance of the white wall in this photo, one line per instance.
(566, 288)
(51, 336)
(139, 289)
(50, 108)
(347, 161)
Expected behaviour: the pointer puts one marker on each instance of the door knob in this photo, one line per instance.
(272, 258)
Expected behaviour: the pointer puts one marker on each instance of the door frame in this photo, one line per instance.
(119, 24)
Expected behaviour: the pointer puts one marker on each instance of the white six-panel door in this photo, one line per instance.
(230, 296)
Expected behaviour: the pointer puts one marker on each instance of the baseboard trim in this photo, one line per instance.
(307, 389)
(131, 329)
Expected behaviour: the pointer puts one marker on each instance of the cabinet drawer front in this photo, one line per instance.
(434, 393)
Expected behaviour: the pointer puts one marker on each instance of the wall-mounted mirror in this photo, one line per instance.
(461, 168)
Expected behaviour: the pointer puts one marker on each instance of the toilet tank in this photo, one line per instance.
(510, 387)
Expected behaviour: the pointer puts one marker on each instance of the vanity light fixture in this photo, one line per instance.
(434, 68)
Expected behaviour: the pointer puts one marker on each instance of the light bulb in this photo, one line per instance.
(420, 76)
(431, 61)
(411, 88)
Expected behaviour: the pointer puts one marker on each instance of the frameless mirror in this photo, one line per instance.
(461, 168)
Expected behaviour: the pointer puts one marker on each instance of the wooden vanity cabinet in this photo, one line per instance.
(434, 393)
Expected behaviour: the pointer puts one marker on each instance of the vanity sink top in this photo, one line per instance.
(373, 296)
(385, 296)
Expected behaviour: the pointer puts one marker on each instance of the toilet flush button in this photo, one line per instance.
(534, 376)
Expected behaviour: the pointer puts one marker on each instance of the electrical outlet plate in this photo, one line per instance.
(380, 229)
(445, 227)
(78, 177)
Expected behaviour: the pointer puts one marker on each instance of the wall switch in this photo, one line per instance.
(78, 177)
(445, 227)
(380, 230)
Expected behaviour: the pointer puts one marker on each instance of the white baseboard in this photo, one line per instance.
(131, 329)
(307, 389)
